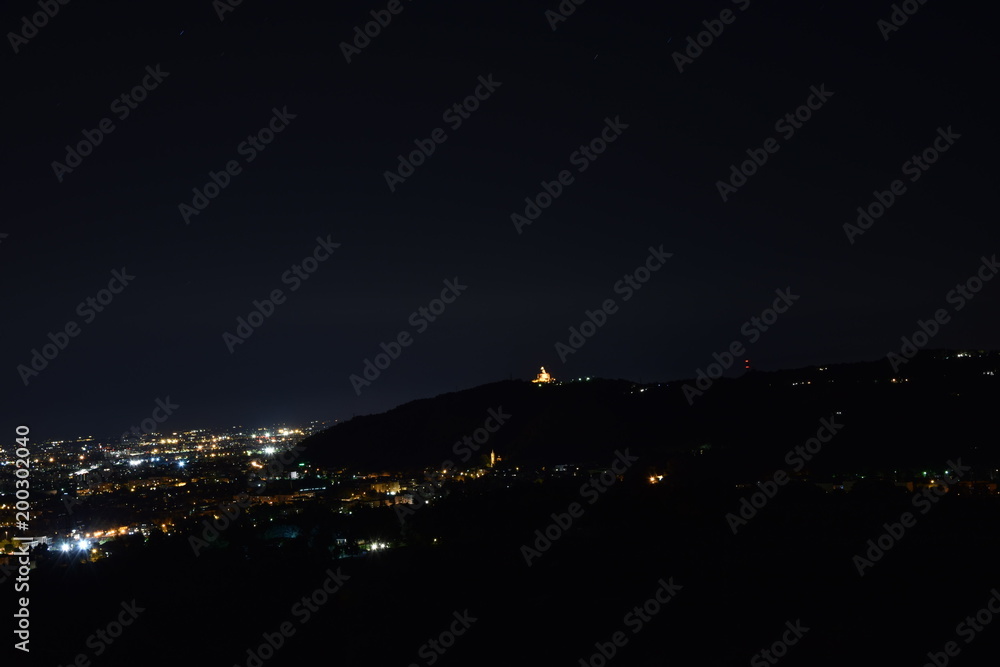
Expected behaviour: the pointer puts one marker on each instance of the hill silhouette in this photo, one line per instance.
(934, 408)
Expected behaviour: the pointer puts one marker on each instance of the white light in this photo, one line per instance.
(269, 450)
(65, 546)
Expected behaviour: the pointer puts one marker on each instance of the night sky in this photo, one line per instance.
(553, 92)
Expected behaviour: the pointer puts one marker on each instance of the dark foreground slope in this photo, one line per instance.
(795, 561)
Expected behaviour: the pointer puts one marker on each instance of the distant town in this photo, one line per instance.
(89, 493)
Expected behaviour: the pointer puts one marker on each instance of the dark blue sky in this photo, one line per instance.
(323, 175)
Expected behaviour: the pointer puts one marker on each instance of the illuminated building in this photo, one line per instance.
(544, 377)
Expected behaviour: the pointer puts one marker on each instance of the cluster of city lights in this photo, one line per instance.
(81, 545)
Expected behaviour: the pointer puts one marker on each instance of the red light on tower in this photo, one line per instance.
(746, 364)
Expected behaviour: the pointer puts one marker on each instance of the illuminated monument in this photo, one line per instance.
(544, 377)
